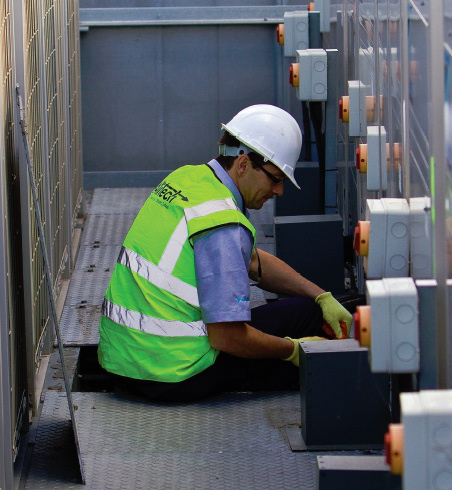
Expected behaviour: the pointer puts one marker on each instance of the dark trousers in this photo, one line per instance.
(289, 317)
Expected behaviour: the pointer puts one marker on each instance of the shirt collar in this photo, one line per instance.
(226, 180)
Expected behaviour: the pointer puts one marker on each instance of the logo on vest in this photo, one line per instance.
(168, 193)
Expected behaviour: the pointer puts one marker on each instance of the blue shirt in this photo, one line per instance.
(222, 260)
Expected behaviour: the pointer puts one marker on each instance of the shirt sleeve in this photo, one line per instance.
(222, 260)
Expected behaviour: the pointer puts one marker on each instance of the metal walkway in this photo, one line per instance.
(232, 441)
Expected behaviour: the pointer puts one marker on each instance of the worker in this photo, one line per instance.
(176, 320)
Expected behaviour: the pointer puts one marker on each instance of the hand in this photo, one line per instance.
(295, 357)
(326, 327)
(334, 313)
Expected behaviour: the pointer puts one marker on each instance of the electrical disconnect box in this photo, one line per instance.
(366, 64)
(358, 108)
(377, 167)
(383, 238)
(294, 33)
(394, 325)
(420, 448)
(421, 238)
(324, 7)
(309, 75)
(357, 93)
(361, 157)
(362, 160)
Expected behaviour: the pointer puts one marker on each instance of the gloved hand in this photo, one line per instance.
(333, 313)
(326, 327)
(295, 357)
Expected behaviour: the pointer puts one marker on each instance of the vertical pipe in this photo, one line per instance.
(378, 89)
(331, 121)
(67, 138)
(78, 178)
(360, 189)
(345, 168)
(74, 112)
(438, 179)
(282, 90)
(404, 63)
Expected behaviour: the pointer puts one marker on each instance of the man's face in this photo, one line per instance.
(261, 183)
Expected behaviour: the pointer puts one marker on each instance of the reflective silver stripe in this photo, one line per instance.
(175, 244)
(154, 326)
(210, 207)
(158, 277)
(174, 247)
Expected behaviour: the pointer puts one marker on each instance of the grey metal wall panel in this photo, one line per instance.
(153, 97)
(183, 3)
(7, 415)
(14, 380)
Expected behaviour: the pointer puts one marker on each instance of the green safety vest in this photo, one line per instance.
(151, 326)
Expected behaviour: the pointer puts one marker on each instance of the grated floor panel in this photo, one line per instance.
(95, 257)
(80, 325)
(106, 229)
(87, 288)
(227, 442)
(122, 200)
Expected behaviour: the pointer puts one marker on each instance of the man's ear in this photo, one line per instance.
(243, 162)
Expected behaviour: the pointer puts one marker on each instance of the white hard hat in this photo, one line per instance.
(271, 132)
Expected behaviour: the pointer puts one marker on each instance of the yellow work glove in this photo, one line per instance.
(295, 357)
(334, 313)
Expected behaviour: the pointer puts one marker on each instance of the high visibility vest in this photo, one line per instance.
(151, 325)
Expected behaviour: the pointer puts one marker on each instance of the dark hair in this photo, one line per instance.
(226, 162)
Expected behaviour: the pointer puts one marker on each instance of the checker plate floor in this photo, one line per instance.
(107, 200)
(80, 325)
(231, 441)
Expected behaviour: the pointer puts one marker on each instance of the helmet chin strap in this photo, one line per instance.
(234, 151)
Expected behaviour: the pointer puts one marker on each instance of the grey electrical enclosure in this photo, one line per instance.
(343, 404)
(313, 246)
(356, 472)
(301, 201)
